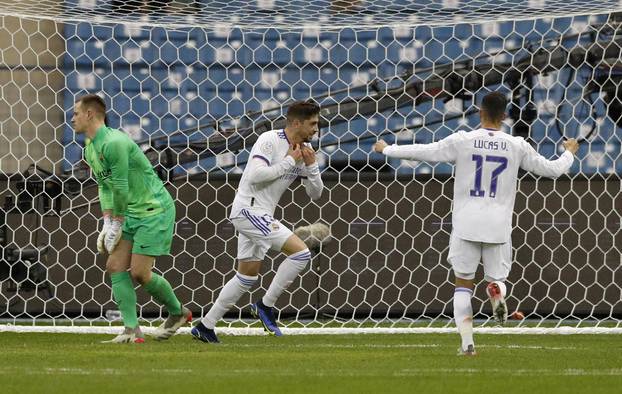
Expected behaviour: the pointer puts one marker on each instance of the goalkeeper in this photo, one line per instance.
(139, 219)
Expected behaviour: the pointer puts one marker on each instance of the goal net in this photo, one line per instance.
(196, 82)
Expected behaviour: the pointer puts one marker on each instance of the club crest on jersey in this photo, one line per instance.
(103, 174)
(266, 148)
(275, 227)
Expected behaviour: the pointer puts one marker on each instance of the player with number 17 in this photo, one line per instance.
(486, 163)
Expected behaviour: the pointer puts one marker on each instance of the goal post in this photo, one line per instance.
(196, 82)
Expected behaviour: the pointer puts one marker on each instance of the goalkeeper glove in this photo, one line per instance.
(102, 234)
(113, 236)
(110, 234)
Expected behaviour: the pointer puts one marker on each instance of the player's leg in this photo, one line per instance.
(162, 292)
(251, 252)
(153, 237)
(463, 313)
(123, 292)
(235, 288)
(298, 257)
(464, 257)
(497, 260)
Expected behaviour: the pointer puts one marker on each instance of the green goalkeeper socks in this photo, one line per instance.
(125, 296)
(162, 292)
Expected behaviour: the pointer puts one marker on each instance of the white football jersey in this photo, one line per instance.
(269, 172)
(486, 170)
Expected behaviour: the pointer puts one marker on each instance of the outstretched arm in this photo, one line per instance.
(536, 163)
(441, 151)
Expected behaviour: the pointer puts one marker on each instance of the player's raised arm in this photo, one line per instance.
(313, 184)
(539, 165)
(441, 151)
(261, 168)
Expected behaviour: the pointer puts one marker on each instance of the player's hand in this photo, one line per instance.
(308, 155)
(571, 145)
(100, 239)
(295, 152)
(113, 236)
(379, 146)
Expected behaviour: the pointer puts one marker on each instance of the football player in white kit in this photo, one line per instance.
(277, 158)
(486, 162)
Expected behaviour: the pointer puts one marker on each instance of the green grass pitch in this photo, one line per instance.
(367, 363)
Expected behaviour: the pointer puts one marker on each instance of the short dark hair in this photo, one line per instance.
(494, 105)
(302, 110)
(93, 102)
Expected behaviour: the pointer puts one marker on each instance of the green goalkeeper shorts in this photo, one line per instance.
(151, 235)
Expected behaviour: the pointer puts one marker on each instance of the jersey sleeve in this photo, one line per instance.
(533, 162)
(445, 150)
(103, 190)
(263, 149)
(313, 183)
(117, 154)
(105, 197)
(260, 168)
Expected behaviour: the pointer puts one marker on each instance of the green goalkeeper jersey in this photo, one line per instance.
(128, 185)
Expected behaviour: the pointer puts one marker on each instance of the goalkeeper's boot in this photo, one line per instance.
(265, 314)
(130, 335)
(470, 351)
(204, 334)
(172, 324)
(499, 307)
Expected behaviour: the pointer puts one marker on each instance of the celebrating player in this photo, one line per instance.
(486, 161)
(277, 158)
(139, 219)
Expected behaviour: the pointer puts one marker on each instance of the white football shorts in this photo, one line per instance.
(465, 256)
(258, 232)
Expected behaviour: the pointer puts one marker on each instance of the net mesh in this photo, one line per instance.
(293, 14)
(195, 83)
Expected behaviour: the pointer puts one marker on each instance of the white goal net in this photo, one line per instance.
(195, 83)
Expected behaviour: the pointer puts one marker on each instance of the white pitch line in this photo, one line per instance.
(88, 371)
(397, 346)
(511, 372)
(406, 372)
(248, 331)
(343, 346)
(530, 347)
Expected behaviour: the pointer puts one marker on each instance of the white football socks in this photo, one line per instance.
(229, 295)
(285, 275)
(463, 315)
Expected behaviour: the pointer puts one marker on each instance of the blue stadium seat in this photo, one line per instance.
(87, 30)
(219, 73)
(124, 32)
